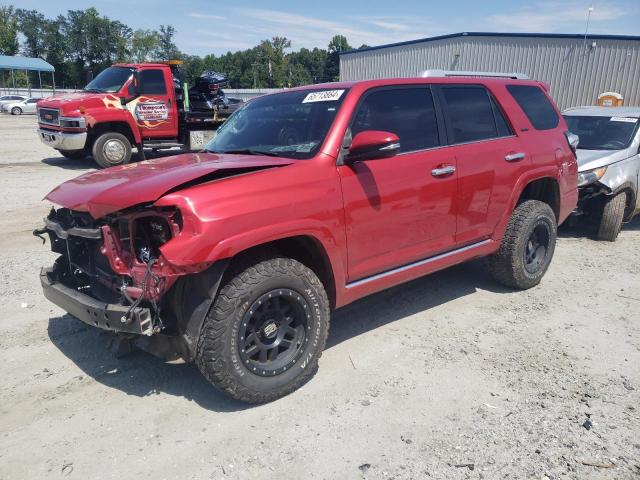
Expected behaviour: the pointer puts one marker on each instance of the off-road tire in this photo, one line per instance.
(73, 154)
(612, 217)
(218, 351)
(507, 265)
(16, 111)
(99, 154)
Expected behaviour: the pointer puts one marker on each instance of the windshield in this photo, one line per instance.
(602, 133)
(110, 80)
(290, 124)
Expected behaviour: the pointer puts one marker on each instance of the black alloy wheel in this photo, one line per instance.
(274, 332)
(536, 249)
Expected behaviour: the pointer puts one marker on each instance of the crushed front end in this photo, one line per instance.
(111, 273)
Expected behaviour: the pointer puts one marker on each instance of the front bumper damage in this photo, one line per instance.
(106, 279)
(106, 316)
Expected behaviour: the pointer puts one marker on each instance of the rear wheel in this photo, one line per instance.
(73, 154)
(266, 330)
(110, 149)
(16, 111)
(527, 246)
(612, 217)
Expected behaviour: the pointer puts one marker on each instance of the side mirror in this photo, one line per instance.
(133, 90)
(372, 145)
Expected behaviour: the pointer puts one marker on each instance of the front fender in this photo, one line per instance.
(96, 116)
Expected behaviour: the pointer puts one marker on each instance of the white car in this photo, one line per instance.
(20, 107)
(4, 99)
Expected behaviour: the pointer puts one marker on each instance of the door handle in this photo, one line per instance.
(442, 171)
(514, 157)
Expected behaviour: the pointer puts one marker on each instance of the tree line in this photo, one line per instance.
(82, 43)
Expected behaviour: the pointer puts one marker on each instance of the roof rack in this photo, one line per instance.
(460, 73)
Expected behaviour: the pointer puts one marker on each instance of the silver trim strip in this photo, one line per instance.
(419, 263)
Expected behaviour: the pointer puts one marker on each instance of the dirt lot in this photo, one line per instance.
(447, 377)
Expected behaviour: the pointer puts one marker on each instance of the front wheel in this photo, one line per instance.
(16, 111)
(527, 247)
(612, 217)
(266, 330)
(110, 149)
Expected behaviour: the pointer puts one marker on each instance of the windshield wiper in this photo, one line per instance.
(248, 151)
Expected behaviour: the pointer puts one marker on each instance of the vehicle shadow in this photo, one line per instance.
(88, 163)
(137, 373)
(586, 229)
(410, 298)
(141, 374)
(69, 164)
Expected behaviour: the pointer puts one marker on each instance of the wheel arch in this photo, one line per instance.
(104, 127)
(545, 189)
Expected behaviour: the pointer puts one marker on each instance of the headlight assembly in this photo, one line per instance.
(591, 176)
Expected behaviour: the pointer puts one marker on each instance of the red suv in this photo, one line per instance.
(305, 201)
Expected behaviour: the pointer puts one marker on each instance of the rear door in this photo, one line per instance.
(154, 109)
(489, 156)
(397, 210)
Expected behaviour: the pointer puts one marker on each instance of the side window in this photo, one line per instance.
(152, 82)
(470, 111)
(535, 105)
(407, 112)
(504, 130)
(33, 100)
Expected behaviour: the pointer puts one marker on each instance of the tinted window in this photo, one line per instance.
(535, 105)
(407, 112)
(470, 111)
(152, 82)
(33, 100)
(504, 130)
(602, 133)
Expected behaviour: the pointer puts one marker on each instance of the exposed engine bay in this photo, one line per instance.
(118, 261)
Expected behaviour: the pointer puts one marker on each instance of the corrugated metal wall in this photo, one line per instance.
(576, 74)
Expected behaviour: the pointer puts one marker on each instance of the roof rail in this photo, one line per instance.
(460, 73)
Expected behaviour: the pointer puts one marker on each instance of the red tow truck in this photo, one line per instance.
(128, 106)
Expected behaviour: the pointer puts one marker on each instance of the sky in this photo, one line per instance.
(207, 26)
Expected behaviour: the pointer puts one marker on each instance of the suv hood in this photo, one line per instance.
(106, 191)
(590, 159)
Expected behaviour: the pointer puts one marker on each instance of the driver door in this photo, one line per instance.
(155, 110)
(399, 209)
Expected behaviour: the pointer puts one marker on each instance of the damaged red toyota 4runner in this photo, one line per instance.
(305, 201)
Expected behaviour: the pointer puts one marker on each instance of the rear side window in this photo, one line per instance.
(153, 82)
(535, 105)
(407, 112)
(472, 114)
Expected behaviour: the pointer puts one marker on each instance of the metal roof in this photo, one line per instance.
(24, 63)
(496, 34)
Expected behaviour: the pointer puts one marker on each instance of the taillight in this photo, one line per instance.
(572, 140)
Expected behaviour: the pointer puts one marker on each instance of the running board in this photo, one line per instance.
(419, 263)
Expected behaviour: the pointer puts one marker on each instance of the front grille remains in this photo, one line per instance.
(50, 116)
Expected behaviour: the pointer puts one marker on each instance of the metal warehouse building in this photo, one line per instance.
(576, 67)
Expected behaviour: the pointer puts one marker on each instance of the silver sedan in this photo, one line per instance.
(608, 165)
(18, 108)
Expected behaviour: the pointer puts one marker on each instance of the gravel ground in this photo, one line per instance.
(448, 377)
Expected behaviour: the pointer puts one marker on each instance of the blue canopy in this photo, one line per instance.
(24, 63)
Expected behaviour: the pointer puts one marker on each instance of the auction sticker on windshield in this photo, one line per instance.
(624, 119)
(323, 96)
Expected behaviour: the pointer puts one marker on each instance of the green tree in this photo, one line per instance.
(337, 45)
(8, 31)
(144, 43)
(167, 50)
(31, 24)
